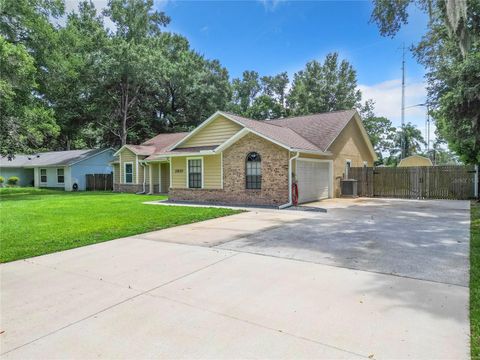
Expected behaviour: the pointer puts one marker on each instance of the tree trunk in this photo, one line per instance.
(125, 116)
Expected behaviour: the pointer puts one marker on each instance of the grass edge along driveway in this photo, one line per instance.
(38, 221)
(475, 280)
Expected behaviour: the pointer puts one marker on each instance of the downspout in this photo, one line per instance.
(290, 162)
(144, 170)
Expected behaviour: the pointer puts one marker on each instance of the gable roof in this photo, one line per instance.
(310, 133)
(320, 129)
(157, 144)
(51, 158)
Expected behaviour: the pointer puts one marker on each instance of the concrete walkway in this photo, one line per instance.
(177, 293)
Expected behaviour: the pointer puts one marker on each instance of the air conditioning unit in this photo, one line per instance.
(349, 187)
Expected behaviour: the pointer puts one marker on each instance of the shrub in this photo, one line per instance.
(13, 180)
(2, 180)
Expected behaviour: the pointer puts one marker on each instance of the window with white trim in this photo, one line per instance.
(194, 173)
(128, 173)
(60, 176)
(43, 175)
(253, 171)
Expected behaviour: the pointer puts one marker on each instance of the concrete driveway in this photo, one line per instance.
(241, 287)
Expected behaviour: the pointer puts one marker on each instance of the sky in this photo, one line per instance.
(272, 36)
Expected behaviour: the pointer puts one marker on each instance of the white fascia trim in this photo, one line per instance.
(229, 142)
(206, 153)
(136, 166)
(203, 170)
(221, 169)
(170, 172)
(290, 181)
(364, 134)
(159, 178)
(120, 150)
(315, 152)
(196, 130)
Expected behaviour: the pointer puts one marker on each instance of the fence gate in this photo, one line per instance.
(99, 182)
(425, 182)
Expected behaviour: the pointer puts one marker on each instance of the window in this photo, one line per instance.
(60, 176)
(43, 175)
(348, 165)
(128, 167)
(253, 171)
(195, 173)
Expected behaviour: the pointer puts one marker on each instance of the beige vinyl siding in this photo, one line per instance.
(215, 133)
(128, 156)
(165, 176)
(179, 172)
(154, 167)
(116, 173)
(212, 172)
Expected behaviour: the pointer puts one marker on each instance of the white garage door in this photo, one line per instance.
(313, 180)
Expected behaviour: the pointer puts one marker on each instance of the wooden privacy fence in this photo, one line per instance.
(99, 182)
(423, 182)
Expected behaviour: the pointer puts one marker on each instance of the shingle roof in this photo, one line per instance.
(319, 129)
(60, 158)
(157, 144)
(309, 133)
(281, 134)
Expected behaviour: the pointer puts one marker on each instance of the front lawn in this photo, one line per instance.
(37, 221)
(475, 280)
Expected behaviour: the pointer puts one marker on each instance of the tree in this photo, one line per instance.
(124, 64)
(450, 52)
(25, 123)
(324, 87)
(70, 84)
(413, 141)
(259, 98)
(151, 81)
(244, 91)
(379, 129)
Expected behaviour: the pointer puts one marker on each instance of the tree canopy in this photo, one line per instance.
(450, 50)
(78, 84)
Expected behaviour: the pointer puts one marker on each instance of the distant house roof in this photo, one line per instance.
(415, 160)
(157, 144)
(51, 158)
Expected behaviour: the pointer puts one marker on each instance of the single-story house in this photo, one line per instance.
(236, 160)
(57, 169)
(415, 160)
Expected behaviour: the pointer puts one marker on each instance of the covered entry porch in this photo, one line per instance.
(157, 177)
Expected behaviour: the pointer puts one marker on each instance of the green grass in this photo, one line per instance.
(475, 280)
(38, 221)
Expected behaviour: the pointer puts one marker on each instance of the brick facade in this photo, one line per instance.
(274, 189)
(134, 188)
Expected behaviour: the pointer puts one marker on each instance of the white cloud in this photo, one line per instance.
(270, 5)
(388, 101)
(100, 5)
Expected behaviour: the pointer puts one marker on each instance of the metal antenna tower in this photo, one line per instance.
(402, 141)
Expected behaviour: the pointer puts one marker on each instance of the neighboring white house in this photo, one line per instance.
(57, 169)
